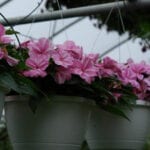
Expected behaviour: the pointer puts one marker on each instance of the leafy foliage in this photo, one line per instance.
(40, 68)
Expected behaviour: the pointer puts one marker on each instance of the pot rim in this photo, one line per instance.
(12, 98)
(142, 103)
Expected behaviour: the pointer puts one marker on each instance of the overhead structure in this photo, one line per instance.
(4, 3)
(66, 27)
(80, 11)
(115, 46)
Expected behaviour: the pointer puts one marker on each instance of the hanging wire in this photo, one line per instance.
(33, 19)
(115, 46)
(67, 26)
(53, 29)
(50, 27)
(99, 33)
(118, 15)
(11, 28)
(63, 24)
(27, 36)
(123, 28)
(29, 29)
(24, 18)
(29, 14)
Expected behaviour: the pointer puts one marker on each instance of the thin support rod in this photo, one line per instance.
(54, 28)
(4, 3)
(80, 11)
(115, 46)
(66, 27)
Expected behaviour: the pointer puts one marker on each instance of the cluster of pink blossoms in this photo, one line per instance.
(68, 59)
(138, 75)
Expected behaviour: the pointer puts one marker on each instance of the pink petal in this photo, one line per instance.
(12, 61)
(62, 75)
(34, 73)
(2, 30)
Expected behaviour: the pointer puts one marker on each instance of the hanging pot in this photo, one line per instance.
(58, 124)
(108, 131)
(2, 97)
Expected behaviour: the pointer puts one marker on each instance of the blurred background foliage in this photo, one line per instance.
(136, 22)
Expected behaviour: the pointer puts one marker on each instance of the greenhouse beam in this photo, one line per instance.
(67, 26)
(4, 3)
(80, 11)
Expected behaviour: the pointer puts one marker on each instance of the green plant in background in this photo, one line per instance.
(135, 22)
(147, 145)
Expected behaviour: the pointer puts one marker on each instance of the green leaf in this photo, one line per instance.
(10, 32)
(115, 110)
(33, 104)
(18, 83)
(101, 90)
(26, 86)
(7, 81)
(4, 89)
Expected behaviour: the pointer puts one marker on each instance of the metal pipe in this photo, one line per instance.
(66, 27)
(115, 46)
(80, 11)
(4, 3)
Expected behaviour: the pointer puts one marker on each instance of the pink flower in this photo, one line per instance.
(129, 77)
(62, 58)
(94, 58)
(142, 91)
(4, 39)
(147, 82)
(42, 47)
(37, 64)
(62, 75)
(10, 60)
(130, 61)
(85, 69)
(2, 53)
(117, 96)
(34, 73)
(109, 67)
(25, 44)
(138, 70)
(69, 46)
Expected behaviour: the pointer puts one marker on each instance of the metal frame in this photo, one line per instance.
(4, 3)
(115, 46)
(80, 11)
(66, 27)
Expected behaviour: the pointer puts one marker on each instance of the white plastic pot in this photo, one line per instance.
(111, 132)
(59, 124)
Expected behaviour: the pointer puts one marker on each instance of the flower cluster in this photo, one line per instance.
(65, 65)
(68, 59)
